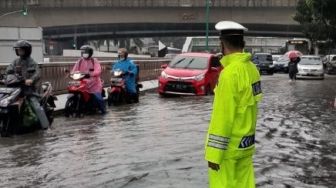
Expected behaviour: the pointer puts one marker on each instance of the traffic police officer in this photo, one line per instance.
(231, 135)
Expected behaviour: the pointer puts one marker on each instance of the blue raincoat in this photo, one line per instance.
(127, 66)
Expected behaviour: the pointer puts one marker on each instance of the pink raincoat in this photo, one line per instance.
(84, 66)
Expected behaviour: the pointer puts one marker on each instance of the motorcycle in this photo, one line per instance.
(21, 109)
(80, 101)
(117, 93)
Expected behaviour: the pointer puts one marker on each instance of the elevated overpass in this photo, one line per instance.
(118, 18)
(82, 20)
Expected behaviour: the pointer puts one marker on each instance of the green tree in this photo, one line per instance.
(318, 19)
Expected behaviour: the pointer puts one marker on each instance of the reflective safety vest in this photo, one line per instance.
(232, 126)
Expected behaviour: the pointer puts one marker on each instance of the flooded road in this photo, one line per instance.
(159, 143)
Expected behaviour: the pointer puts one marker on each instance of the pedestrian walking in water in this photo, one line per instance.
(230, 142)
(294, 59)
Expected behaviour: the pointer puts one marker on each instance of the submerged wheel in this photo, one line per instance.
(70, 107)
(5, 130)
(208, 90)
(109, 100)
(112, 99)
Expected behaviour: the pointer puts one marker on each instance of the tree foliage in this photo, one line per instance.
(318, 19)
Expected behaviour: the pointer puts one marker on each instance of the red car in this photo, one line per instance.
(190, 74)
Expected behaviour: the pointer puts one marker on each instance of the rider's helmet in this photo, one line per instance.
(25, 46)
(86, 51)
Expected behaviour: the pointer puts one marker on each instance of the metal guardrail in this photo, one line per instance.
(55, 72)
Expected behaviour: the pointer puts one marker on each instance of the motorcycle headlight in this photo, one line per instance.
(164, 75)
(117, 73)
(44, 87)
(200, 77)
(77, 76)
(4, 102)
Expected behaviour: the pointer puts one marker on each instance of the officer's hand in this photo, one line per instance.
(29, 82)
(213, 166)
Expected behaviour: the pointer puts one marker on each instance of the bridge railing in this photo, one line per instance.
(147, 3)
(55, 72)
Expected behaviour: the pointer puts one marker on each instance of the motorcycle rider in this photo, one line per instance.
(26, 67)
(130, 69)
(91, 66)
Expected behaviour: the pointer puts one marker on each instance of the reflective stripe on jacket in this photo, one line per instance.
(233, 120)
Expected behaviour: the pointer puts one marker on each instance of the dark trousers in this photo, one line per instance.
(292, 75)
(100, 102)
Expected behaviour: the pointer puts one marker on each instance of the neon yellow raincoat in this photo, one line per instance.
(231, 135)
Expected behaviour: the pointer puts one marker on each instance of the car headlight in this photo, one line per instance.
(164, 75)
(200, 77)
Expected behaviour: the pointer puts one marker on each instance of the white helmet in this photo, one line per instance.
(230, 28)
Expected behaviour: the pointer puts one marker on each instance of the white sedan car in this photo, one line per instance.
(310, 67)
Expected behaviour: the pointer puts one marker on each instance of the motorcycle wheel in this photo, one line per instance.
(114, 99)
(70, 107)
(109, 100)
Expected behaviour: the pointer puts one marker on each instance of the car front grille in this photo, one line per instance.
(183, 87)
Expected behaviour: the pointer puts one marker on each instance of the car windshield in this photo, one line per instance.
(262, 57)
(283, 59)
(185, 62)
(310, 61)
(275, 58)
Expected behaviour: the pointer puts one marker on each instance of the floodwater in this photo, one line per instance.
(159, 143)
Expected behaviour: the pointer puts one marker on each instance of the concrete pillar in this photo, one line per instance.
(108, 45)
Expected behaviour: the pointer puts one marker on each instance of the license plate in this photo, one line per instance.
(179, 86)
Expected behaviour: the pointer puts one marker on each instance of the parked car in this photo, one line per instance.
(280, 63)
(190, 74)
(310, 66)
(329, 62)
(264, 62)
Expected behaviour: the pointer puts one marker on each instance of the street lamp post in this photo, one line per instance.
(24, 12)
(207, 24)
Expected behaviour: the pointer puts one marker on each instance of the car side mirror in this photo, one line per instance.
(164, 66)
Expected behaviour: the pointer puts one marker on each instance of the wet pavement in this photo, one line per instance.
(159, 143)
